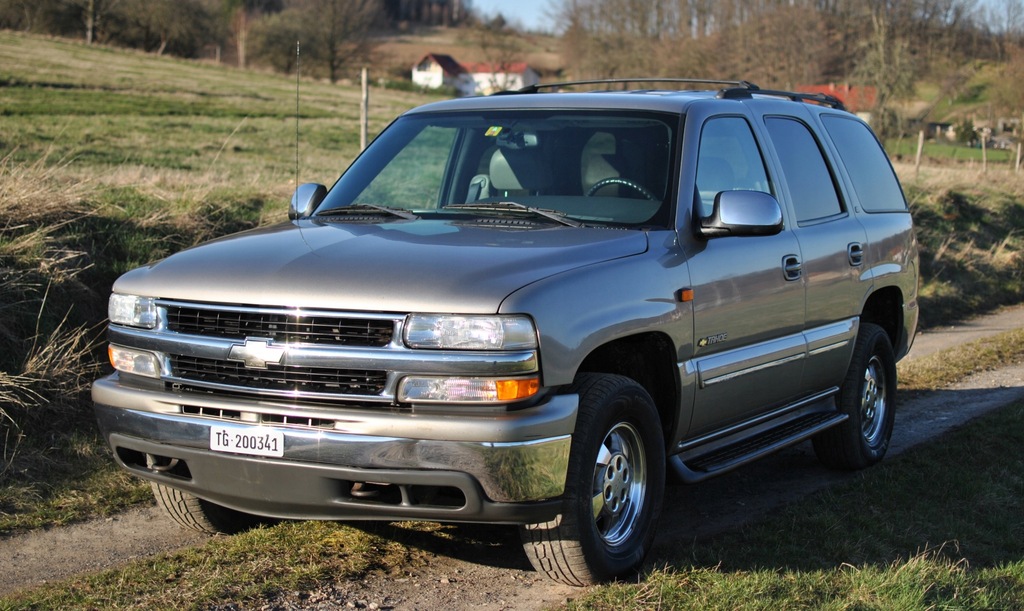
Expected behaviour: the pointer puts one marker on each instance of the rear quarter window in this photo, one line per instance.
(874, 180)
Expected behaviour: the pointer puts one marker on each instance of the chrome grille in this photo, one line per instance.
(280, 419)
(278, 377)
(282, 327)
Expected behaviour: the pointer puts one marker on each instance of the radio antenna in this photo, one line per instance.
(297, 72)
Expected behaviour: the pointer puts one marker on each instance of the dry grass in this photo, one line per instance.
(955, 364)
(969, 224)
(44, 364)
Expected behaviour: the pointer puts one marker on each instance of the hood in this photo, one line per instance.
(402, 266)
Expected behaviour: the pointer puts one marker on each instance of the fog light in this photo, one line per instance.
(466, 390)
(135, 362)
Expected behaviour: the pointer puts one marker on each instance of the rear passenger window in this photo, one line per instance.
(728, 160)
(811, 185)
(873, 178)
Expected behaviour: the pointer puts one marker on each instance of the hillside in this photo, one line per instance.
(112, 109)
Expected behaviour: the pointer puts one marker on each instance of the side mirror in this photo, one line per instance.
(742, 213)
(305, 200)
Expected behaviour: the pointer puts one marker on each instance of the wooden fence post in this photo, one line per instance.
(364, 110)
(920, 148)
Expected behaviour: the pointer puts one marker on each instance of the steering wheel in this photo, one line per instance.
(625, 182)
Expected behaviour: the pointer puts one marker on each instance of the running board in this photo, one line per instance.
(694, 465)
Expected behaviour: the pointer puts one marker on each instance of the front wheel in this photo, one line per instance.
(614, 487)
(868, 397)
(199, 514)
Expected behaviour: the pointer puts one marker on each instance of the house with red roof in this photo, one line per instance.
(856, 99)
(436, 70)
(491, 77)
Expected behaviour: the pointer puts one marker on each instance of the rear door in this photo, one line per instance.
(833, 244)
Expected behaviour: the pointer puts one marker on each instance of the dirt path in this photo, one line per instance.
(483, 568)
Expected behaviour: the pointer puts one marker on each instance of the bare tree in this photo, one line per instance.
(339, 32)
(178, 26)
(611, 38)
(240, 15)
(94, 16)
(1008, 90)
(499, 46)
(1006, 18)
(781, 48)
(888, 65)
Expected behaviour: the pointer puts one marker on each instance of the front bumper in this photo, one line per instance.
(506, 467)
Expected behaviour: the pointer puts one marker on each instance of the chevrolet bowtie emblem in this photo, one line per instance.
(256, 353)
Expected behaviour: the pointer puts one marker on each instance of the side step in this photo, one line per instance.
(705, 461)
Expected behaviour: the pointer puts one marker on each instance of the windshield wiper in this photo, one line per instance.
(364, 208)
(553, 215)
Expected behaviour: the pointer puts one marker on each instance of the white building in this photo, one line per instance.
(491, 77)
(435, 70)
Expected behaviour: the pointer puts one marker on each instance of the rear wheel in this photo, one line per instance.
(614, 487)
(868, 397)
(199, 514)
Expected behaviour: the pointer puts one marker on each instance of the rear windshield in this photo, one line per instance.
(595, 167)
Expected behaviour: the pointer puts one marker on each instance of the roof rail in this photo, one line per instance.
(737, 85)
(739, 93)
(734, 90)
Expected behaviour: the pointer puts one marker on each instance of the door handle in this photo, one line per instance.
(791, 267)
(855, 253)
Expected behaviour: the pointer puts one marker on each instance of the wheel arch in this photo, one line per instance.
(884, 307)
(648, 359)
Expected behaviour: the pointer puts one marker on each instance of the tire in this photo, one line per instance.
(616, 469)
(868, 397)
(199, 514)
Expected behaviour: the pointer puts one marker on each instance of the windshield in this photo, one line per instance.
(594, 167)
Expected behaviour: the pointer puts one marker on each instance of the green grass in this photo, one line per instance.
(943, 152)
(243, 568)
(104, 110)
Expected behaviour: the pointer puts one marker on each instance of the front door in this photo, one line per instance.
(748, 293)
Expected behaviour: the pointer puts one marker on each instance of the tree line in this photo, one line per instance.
(885, 44)
(334, 33)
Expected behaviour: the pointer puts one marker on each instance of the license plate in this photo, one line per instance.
(246, 441)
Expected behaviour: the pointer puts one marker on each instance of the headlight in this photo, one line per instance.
(132, 311)
(444, 331)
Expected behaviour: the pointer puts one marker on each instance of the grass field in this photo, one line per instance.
(110, 159)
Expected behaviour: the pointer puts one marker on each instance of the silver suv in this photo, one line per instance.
(526, 309)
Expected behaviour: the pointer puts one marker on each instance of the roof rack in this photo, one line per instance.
(734, 90)
(740, 93)
(737, 85)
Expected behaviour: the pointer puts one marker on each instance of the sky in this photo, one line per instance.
(531, 14)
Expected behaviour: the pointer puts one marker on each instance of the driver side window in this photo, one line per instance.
(728, 159)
